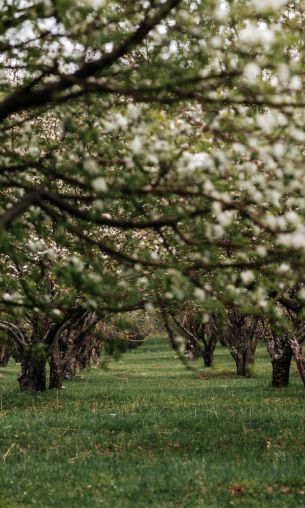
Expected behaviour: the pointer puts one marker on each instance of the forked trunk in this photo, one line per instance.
(241, 339)
(244, 361)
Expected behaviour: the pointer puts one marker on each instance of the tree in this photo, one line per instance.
(241, 338)
(284, 342)
(200, 332)
(159, 147)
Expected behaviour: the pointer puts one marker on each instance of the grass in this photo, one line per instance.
(148, 433)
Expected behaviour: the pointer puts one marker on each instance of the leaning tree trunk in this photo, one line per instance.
(33, 372)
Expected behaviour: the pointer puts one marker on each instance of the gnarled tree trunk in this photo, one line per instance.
(281, 369)
(241, 339)
(76, 346)
(33, 372)
(201, 337)
(281, 354)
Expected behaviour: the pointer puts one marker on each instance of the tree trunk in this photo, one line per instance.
(84, 363)
(281, 353)
(71, 368)
(244, 360)
(241, 339)
(239, 359)
(83, 352)
(207, 356)
(95, 355)
(240, 363)
(209, 346)
(69, 362)
(55, 370)
(299, 357)
(281, 369)
(33, 372)
(4, 356)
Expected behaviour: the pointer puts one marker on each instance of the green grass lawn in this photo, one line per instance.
(147, 432)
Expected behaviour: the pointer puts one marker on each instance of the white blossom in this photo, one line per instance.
(267, 5)
(199, 294)
(149, 307)
(296, 239)
(255, 34)
(247, 277)
(302, 293)
(99, 184)
(251, 72)
(136, 145)
(90, 166)
(296, 83)
(221, 12)
(261, 251)
(283, 268)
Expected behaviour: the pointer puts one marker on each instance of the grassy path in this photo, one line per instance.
(148, 433)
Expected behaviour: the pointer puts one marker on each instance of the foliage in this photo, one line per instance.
(152, 152)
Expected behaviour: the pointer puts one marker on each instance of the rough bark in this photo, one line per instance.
(281, 369)
(201, 337)
(55, 369)
(244, 360)
(299, 357)
(34, 349)
(69, 363)
(281, 354)
(33, 372)
(241, 339)
(75, 346)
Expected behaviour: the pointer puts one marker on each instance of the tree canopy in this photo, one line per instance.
(152, 152)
